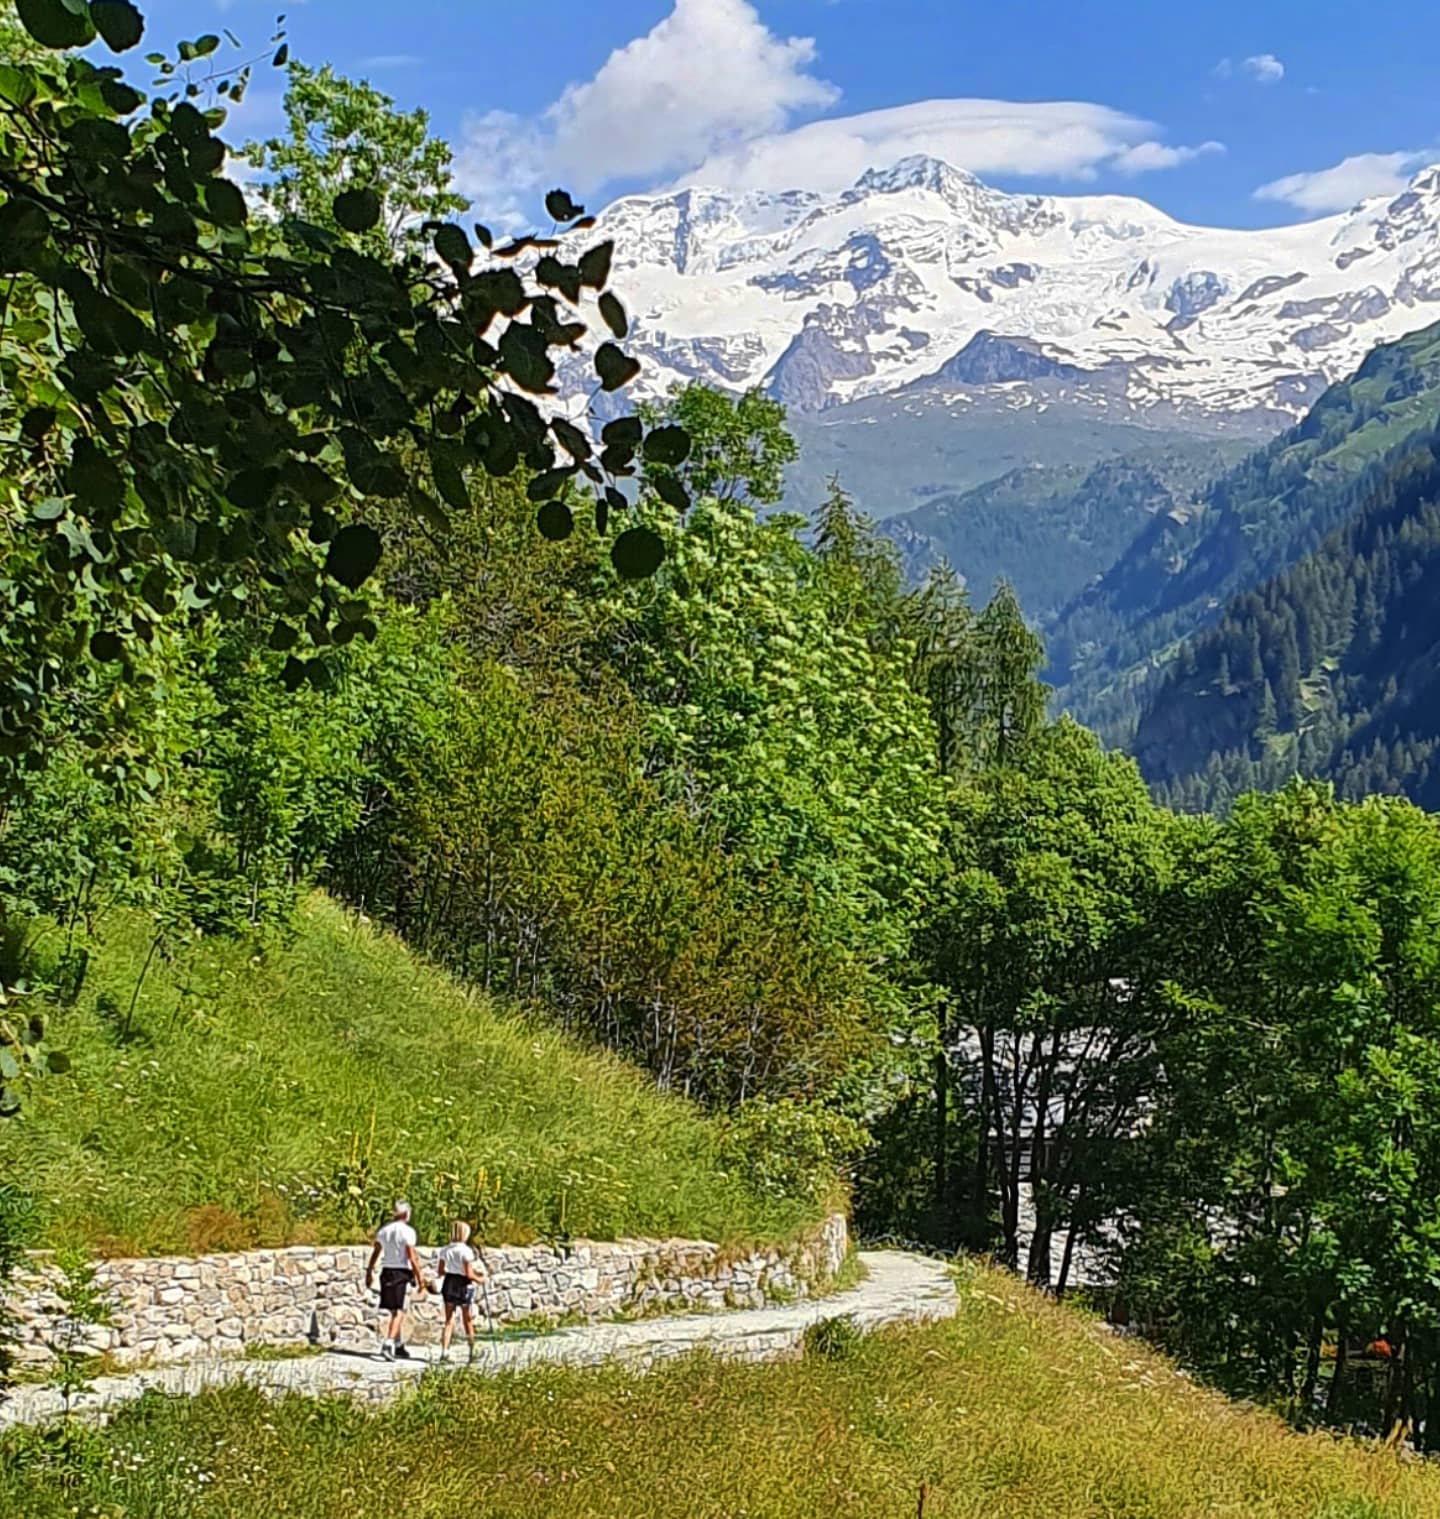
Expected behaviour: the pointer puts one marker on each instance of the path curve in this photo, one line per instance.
(898, 1288)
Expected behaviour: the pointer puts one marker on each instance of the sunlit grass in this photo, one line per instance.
(1018, 1409)
(290, 1097)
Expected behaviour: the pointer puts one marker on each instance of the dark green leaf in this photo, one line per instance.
(502, 289)
(449, 479)
(54, 24)
(206, 45)
(526, 360)
(98, 137)
(252, 490)
(37, 422)
(560, 276)
(602, 515)
(283, 636)
(483, 237)
(669, 446)
(595, 265)
(637, 553)
(354, 552)
(119, 23)
(560, 208)
(315, 486)
(106, 646)
(429, 510)
(542, 487)
(671, 492)
(613, 314)
(454, 247)
(356, 210)
(23, 226)
(570, 438)
(57, 1062)
(555, 521)
(120, 97)
(622, 433)
(615, 367)
(282, 56)
(224, 203)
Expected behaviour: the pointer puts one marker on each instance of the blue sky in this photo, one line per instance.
(1195, 108)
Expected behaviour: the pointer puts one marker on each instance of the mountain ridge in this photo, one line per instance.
(825, 299)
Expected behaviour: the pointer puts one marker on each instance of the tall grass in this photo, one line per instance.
(1017, 1409)
(289, 1096)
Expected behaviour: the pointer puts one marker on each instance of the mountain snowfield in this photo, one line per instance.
(922, 279)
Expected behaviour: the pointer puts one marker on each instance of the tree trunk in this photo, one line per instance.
(1312, 1367)
(943, 1228)
(1337, 1377)
(1067, 1259)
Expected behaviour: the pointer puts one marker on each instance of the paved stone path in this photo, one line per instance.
(898, 1288)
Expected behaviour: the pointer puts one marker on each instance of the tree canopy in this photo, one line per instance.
(206, 404)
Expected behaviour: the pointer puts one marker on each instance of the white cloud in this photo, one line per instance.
(1264, 68)
(1341, 185)
(708, 75)
(1146, 157)
(709, 94)
(391, 61)
(1059, 138)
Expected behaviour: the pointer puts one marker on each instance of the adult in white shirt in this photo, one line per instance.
(394, 1249)
(459, 1273)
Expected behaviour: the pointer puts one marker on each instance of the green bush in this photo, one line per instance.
(781, 1148)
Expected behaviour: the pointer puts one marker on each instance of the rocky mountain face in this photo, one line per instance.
(924, 284)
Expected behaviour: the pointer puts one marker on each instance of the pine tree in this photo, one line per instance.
(1265, 724)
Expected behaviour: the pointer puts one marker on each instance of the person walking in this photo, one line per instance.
(459, 1268)
(394, 1249)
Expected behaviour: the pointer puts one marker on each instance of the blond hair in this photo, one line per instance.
(459, 1232)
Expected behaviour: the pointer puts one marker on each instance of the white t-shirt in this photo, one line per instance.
(454, 1258)
(394, 1240)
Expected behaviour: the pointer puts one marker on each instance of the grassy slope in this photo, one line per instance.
(1018, 1409)
(246, 1110)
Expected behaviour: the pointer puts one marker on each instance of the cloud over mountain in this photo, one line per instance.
(710, 95)
(1344, 184)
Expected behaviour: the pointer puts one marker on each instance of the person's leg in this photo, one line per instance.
(447, 1330)
(390, 1304)
(467, 1313)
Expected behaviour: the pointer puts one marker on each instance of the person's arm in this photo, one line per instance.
(473, 1268)
(415, 1270)
(370, 1268)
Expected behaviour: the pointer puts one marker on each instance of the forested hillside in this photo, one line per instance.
(1109, 644)
(1052, 529)
(1329, 669)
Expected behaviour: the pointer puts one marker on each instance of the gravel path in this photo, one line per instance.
(898, 1288)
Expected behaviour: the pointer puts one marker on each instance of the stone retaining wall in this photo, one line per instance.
(172, 1309)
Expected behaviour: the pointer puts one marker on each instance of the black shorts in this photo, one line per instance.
(393, 1282)
(457, 1290)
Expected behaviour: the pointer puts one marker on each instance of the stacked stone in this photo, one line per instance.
(170, 1309)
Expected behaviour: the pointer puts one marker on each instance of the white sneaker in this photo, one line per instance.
(387, 1351)
(444, 1353)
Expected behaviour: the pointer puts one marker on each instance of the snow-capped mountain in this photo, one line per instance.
(922, 280)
